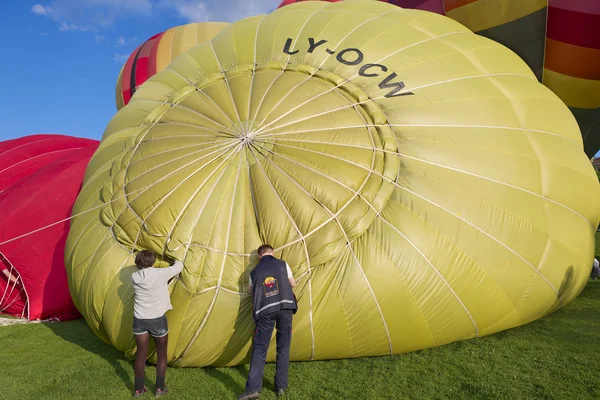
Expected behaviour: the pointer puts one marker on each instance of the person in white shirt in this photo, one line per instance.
(152, 301)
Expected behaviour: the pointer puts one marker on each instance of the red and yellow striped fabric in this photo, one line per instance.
(156, 54)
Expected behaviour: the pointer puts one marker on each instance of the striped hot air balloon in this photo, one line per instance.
(558, 39)
(157, 52)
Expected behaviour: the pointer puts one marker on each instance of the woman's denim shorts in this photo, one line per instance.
(157, 327)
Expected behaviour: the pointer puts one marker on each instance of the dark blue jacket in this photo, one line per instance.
(271, 289)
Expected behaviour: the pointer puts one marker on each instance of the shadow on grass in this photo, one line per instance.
(226, 379)
(78, 333)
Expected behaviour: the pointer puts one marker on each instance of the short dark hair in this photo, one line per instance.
(145, 259)
(263, 249)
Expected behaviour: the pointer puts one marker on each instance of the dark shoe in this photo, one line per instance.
(282, 394)
(161, 392)
(249, 396)
(139, 393)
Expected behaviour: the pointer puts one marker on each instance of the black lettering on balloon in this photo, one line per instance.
(288, 45)
(353, 56)
(398, 86)
(358, 60)
(312, 45)
(363, 70)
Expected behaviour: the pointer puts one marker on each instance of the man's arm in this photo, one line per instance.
(290, 276)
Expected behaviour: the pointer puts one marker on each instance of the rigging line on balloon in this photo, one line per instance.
(509, 128)
(179, 105)
(204, 95)
(222, 149)
(11, 283)
(219, 148)
(208, 289)
(342, 230)
(23, 145)
(38, 156)
(357, 195)
(589, 129)
(227, 235)
(187, 243)
(382, 219)
(309, 77)
(142, 189)
(297, 228)
(194, 194)
(259, 128)
(437, 205)
(189, 345)
(224, 74)
(369, 100)
(404, 155)
(213, 145)
(287, 62)
(173, 189)
(253, 72)
(334, 216)
(214, 135)
(143, 221)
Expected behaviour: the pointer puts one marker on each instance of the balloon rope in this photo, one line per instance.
(67, 219)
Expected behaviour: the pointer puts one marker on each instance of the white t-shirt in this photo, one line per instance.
(151, 291)
(289, 274)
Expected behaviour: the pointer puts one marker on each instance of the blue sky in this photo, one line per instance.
(61, 58)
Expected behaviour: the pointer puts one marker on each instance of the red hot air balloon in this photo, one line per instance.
(40, 177)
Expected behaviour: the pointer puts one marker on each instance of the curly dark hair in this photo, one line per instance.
(145, 259)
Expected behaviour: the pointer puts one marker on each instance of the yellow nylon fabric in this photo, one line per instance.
(409, 221)
(179, 39)
(119, 91)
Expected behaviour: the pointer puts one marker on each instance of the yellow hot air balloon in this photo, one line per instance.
(156, 53)
(423, 186)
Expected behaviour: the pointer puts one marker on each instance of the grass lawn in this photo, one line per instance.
(553, 358)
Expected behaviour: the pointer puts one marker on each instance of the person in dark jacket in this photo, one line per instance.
(273, 304)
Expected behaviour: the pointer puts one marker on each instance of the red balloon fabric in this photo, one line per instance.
(40, 177)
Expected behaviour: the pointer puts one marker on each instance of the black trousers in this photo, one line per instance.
(282, 319)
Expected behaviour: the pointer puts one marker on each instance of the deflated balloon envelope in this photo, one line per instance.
(422, 184)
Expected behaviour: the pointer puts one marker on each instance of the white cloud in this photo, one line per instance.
(92, 13)
(39, 9)
(217, 10)
(192, 11)
(44, 34)
(65, 27)
(96, 15)
(99, 39)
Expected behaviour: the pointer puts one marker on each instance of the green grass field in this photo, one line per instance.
(553, 358)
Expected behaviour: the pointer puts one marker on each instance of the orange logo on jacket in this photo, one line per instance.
(271, 287)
